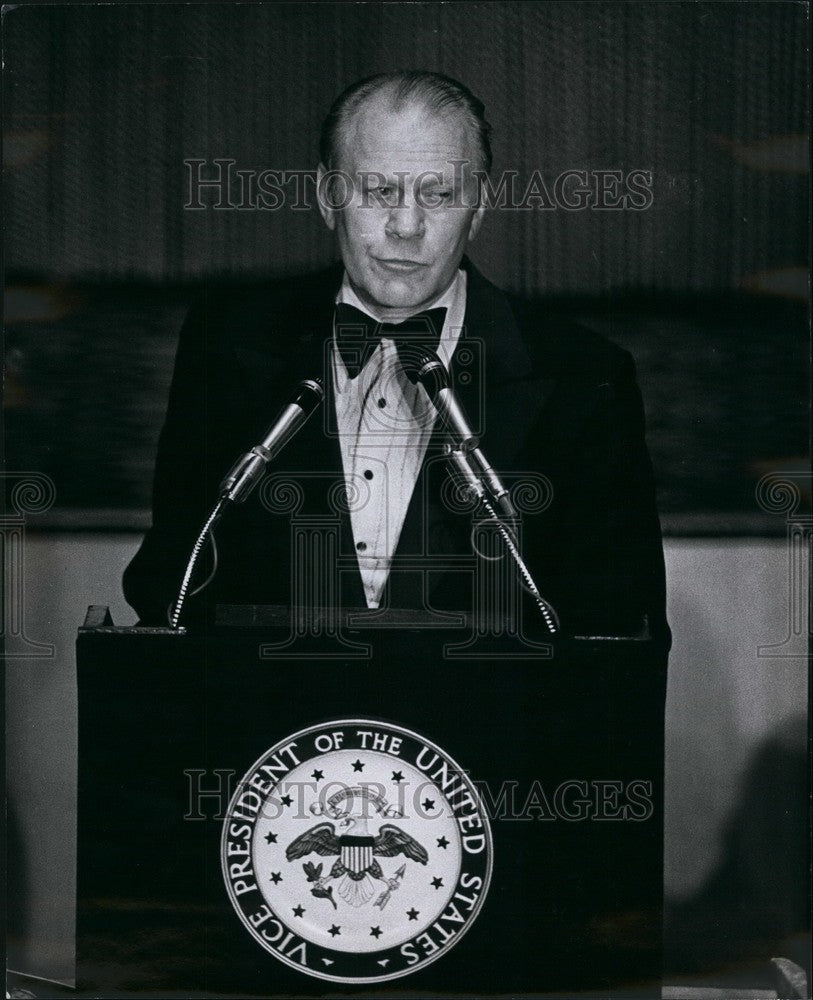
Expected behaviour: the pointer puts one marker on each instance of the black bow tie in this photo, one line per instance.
(358, 335)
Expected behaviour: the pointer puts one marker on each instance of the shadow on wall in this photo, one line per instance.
(17, 889)
(755, 904)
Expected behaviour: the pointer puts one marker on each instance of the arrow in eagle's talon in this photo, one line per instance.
(392, 883)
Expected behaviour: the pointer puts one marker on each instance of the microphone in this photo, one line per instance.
(249, 468)
(244, 476)
(424, 366)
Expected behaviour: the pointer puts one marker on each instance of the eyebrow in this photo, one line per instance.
(399, 178)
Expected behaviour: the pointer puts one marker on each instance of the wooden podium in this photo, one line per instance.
(565, 744)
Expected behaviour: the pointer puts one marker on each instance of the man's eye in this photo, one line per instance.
(384, 193)
(437, 196)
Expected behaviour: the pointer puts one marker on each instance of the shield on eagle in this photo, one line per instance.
(356, 869)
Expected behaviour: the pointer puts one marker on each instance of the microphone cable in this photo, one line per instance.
(206, 532)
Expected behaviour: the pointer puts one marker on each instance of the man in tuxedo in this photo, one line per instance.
(556, 406)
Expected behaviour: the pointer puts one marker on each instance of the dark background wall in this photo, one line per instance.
(105, 103)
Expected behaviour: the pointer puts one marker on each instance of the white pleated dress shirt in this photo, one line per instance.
(384, 424)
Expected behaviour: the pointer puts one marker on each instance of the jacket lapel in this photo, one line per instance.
(506, 395)
(502, 396)
(291, 344)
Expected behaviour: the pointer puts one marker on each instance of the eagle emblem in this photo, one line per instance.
(356, 851)
(356, 868)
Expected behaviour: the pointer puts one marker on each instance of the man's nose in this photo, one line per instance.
(405, 220)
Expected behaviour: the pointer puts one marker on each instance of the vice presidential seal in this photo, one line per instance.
(356, 851)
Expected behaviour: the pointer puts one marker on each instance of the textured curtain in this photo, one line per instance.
(105, 103)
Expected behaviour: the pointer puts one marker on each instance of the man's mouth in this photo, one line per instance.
(399, 265)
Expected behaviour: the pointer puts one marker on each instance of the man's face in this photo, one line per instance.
(408, 214)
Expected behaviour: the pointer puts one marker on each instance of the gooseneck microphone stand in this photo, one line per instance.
(470, 464)
(464, 453)
(244, 475)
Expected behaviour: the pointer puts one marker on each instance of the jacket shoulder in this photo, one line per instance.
(563, 348)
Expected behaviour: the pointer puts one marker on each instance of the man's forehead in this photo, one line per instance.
(386, 137)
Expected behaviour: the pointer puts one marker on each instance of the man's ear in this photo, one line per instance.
(477, 219)
(322, 197)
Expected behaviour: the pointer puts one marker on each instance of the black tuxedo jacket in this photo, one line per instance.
(560, 417)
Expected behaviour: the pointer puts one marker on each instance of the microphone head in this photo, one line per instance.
(310, 393)
(421, 364)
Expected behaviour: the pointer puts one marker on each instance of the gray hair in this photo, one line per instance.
(437, 92)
